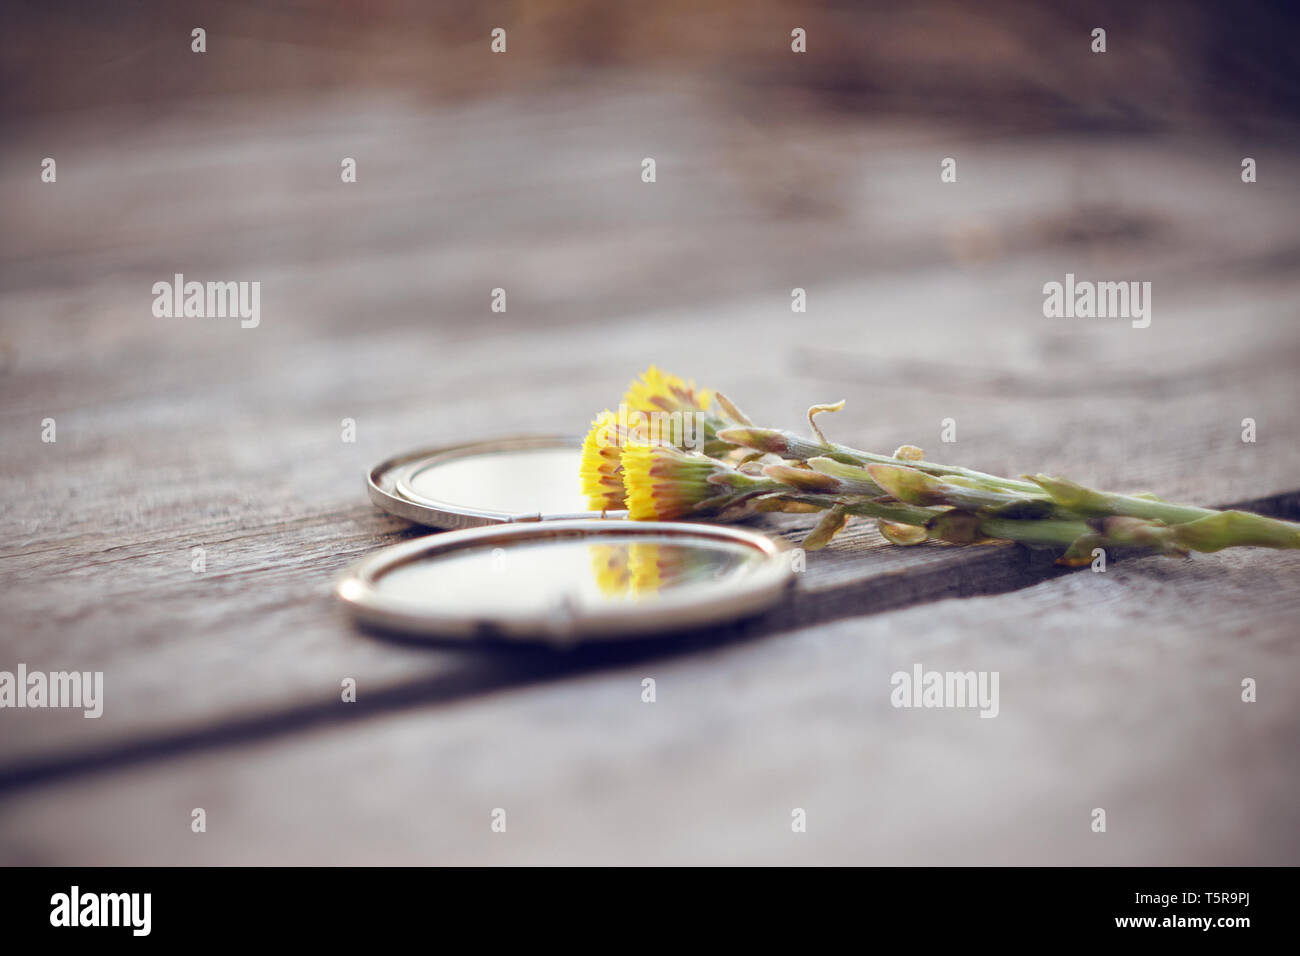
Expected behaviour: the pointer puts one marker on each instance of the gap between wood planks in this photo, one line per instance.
(488, 668)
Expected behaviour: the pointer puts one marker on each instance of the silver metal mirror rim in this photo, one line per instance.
(385, 481)
(728, 602)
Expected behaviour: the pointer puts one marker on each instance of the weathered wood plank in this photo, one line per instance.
(925, 304)
(1118, 690)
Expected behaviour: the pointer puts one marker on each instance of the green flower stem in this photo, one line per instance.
(789, 445)
(853, 479)
(1227, 529)
(894, 511)
(1244, 528)
(1041, 531)
(1069, 498)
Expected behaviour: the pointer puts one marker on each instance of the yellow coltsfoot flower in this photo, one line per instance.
(658, 391)
(680, 451)
(601, 468)
(660, 408)
(662, 482)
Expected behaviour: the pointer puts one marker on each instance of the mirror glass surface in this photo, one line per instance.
(520, 481)
(572, 574)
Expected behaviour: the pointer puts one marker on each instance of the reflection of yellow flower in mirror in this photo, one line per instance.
(640, 568)
(629, 569)
(609, 562)
(658, 567)
(643, 562)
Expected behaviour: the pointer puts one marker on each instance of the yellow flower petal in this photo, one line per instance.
(601, 469)
(658, 391)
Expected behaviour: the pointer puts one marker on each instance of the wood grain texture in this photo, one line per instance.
(925, 303)
(1118, 690)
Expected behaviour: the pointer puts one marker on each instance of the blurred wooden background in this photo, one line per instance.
(522, 171)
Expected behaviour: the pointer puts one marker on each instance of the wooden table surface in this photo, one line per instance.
(1119, 690)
